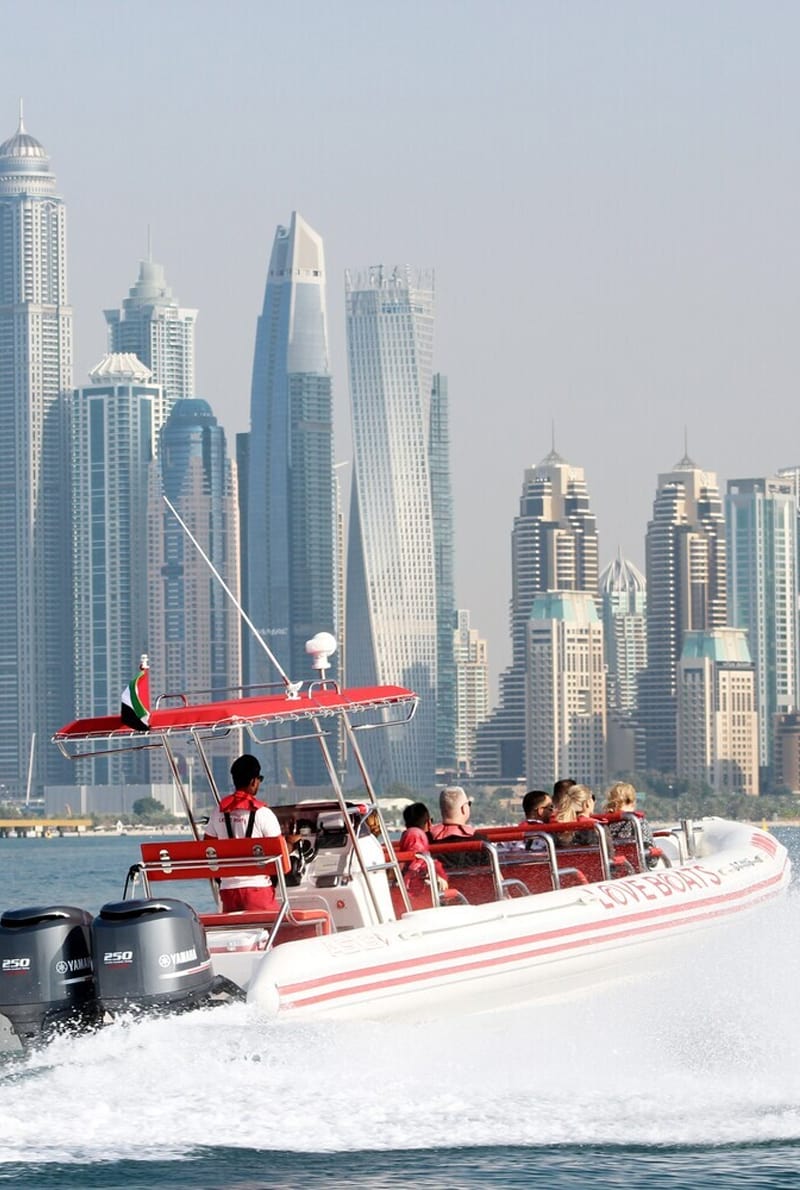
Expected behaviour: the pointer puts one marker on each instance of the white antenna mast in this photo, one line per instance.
(292, 688)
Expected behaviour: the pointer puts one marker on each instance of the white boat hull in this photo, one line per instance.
(471, 958)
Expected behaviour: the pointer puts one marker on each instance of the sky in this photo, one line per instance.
(606, 191)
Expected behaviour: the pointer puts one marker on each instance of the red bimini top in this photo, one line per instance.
(279, 707)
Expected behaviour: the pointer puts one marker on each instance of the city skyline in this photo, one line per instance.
(644, 160)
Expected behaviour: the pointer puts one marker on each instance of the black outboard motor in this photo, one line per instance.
(150, 954)
(46, 973)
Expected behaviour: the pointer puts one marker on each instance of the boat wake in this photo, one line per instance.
(709, 1054)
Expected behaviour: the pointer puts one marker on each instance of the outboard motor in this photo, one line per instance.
(46, 973)
(150, 954)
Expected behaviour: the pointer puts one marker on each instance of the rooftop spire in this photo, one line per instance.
(21, 124)
(686, 461)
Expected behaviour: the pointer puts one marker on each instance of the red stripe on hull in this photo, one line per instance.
(592, 932)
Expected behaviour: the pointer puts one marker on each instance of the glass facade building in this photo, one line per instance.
(392, 627)
(623, 596)
(553, 548)
(290, 512)
(154, 327)
(194, 626)
(36, 688)
(762, 593)
(686, 591)
(442, 512)
(566, 691)
(114, 427)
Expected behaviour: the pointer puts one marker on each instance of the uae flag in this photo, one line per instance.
(135, 708)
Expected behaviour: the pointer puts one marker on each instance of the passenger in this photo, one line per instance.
(621, 799)
(241, 815)
(417, 818)
(569, 804)
(416, 837)
(560, 786)
(537, 806)
(454, 806)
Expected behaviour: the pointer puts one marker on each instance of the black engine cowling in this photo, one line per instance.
(46, 971)
(150, 954)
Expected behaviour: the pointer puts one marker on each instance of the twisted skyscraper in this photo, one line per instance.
(391, 565)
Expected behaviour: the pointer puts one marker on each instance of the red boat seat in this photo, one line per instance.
(210, 859)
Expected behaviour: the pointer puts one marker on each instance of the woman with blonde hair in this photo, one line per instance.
(621, 799)
(568, 806)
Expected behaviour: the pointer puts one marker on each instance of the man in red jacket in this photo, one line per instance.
(241, 815)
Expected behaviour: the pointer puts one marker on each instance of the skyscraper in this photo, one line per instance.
(717, 718)
(686, 591)
(472, 690)
(290, 556)
(194, 631)
(114, 426)
(392, 630)
(154, 327)
(623, 595)
(762, 592)
(442, 511)
(36, 693)
(566, 687)
(553, 547)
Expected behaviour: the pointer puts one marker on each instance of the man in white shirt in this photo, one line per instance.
(241, 815)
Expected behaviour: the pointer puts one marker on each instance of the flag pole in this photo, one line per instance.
(292, 687)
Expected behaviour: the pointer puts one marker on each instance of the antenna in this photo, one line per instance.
(292, 688)
(21, 125)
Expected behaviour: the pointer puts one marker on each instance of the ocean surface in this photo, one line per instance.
(690, 1079)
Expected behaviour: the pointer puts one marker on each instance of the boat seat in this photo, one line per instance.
(211, 859)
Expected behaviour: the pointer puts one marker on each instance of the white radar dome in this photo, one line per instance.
(320, 648)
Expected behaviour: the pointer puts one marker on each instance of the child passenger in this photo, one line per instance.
(416, 837)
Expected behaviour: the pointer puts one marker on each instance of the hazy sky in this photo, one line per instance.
(608, 193)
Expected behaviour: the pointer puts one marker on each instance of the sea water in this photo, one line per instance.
(689, 1079)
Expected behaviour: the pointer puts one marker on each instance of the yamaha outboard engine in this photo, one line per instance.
(150, 954)
(46, 975)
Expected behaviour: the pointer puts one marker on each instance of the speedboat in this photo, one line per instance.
(523, 918)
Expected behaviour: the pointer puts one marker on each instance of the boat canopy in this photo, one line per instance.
(190, 718)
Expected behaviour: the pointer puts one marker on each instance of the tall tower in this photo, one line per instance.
(114, 426)
(442, 511)
(717, 718)
(36, 694)
(194, 637)
(152, 326)
(391, 570)
(566, 721)
(686, 591)
(762, 592)
(472, 689)
(553, 547)
(623, 594)
(290, 560)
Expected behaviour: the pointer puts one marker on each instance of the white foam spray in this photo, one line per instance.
(709, 1053)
